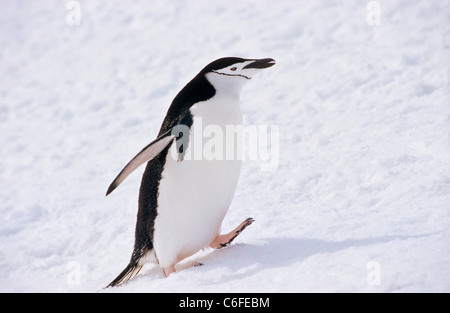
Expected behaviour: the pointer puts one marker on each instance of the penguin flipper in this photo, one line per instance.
(149, 152)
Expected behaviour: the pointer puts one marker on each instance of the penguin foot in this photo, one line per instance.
(224, 240)
(171, 269)
(168, 270)
(196, 264)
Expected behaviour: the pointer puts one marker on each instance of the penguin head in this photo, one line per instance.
(230, 74)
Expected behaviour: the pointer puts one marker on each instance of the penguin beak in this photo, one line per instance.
(261, 63)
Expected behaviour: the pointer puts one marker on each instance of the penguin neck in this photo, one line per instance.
(222, 109)
(225, 86)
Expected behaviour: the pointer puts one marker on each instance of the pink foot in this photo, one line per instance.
(224, 240)
(171, 269)
(168, 270)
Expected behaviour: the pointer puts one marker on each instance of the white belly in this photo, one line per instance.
(195, 194)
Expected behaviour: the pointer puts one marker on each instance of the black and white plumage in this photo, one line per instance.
(182, 203)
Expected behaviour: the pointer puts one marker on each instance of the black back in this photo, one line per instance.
(198, 89)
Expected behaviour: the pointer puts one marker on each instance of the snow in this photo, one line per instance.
(359, 201)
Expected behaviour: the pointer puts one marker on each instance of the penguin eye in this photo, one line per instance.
(233, 69)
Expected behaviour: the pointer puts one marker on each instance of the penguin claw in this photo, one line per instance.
(248, 222)
(244, 225)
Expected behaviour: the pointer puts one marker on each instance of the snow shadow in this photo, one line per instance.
(247, 259)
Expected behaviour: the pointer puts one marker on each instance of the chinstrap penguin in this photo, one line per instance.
(182, 202)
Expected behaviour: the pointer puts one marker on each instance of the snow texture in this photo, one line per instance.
(359, 201)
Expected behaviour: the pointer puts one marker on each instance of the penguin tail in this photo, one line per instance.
(132, 269)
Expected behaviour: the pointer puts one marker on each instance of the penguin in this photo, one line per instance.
(183, 201)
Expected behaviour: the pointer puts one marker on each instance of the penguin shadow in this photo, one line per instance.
(243, 260)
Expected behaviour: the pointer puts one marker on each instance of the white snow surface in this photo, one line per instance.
(360, 199)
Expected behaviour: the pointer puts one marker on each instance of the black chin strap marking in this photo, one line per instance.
(232, 74)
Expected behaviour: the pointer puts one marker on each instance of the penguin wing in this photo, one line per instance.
(149, 152)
